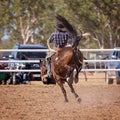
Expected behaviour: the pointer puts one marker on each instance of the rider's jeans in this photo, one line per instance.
(48, 65)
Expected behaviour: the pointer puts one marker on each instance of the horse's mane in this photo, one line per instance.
(71, 29)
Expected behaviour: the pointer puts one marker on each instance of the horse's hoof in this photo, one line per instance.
(66, 101)
(76, 80)
(79, 100)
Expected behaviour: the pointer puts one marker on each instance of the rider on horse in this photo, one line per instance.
(60, 39)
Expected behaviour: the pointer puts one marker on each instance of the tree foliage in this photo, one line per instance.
(32, 21)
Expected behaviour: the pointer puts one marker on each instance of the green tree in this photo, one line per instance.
(100, 18)
(30, 21)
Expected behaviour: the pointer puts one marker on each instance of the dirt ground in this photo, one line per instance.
(99, 101)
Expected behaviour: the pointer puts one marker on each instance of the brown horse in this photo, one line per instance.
(60, 68)
(64, 62)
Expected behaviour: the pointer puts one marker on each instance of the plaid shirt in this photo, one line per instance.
(60, 38)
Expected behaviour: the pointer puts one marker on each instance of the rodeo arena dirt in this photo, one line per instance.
(99, 101)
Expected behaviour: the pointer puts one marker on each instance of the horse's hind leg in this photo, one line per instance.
(63, 91)
(73, 91)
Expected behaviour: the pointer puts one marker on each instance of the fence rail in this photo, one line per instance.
(37, 61)
(46, 50)
(83, 70)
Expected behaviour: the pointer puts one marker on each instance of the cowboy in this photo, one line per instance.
(60, 39)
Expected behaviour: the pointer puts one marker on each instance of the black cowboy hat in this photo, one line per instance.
(60, 25)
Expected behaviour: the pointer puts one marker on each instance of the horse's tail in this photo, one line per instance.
(76, 41)
(70, 29)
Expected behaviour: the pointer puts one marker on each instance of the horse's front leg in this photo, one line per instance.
(63, 90)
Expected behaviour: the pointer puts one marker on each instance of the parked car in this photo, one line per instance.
(15, 55)
(110, 75)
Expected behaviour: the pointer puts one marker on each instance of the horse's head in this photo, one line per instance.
(43, 67)
(44, 77)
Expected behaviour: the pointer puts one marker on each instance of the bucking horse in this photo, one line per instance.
(68, 57)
